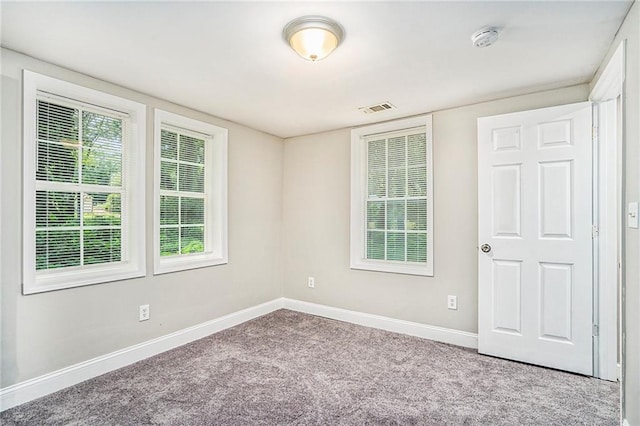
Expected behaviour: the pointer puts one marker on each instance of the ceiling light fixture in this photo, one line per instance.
(313, 37)
(485, 37)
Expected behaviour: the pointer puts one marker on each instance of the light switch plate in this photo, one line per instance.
(632, 215)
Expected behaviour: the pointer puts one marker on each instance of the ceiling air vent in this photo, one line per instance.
(383, 106)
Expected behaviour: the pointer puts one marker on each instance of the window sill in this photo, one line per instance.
(45, 281)
(165, 265)
(393, 267)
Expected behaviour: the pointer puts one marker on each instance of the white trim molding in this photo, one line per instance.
(214, 193)
(610, 82)
(46, 384)
(425, 331)
(38, 387)
(606, 94)
(132, 188)
(359, 258)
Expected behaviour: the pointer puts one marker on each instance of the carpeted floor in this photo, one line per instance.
(293, 368)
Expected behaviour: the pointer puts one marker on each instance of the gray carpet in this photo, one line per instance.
(293, 368)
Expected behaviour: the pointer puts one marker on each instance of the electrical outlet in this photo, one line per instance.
(452, 302)
(144, 312)
(311, 282)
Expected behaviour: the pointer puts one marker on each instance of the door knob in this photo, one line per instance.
(486, 248)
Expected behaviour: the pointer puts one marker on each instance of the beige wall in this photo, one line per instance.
(48, 331)
(630, 31)
(316, 221)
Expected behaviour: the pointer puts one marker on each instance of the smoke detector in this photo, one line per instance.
(485, 37)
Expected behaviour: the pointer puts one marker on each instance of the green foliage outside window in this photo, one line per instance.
(396, 205)
(80, 147)
(182, 185)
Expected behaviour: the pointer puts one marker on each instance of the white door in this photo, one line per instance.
(535, 237)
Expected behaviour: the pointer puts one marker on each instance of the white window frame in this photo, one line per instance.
(132, 264)
(216, 251)
(359, 196)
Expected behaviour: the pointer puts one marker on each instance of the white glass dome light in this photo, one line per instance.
(313, 37)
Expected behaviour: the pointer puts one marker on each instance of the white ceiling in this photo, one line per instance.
(229, 59)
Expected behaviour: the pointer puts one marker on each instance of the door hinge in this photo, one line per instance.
(595, 330)
(594, 231)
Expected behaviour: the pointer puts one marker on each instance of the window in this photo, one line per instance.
(191, 193)
(83, 186)
(392, 197)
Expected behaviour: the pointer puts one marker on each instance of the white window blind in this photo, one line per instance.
(397, 196)
(182, 193)
(392, 200)
(83, 185)
(78, 185)
(190, 193)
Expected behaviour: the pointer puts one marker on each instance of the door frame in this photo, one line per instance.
(608, 183)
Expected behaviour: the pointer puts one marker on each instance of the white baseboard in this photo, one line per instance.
(440, 334)
(38, 387)
(29, 390)
(625, 423)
